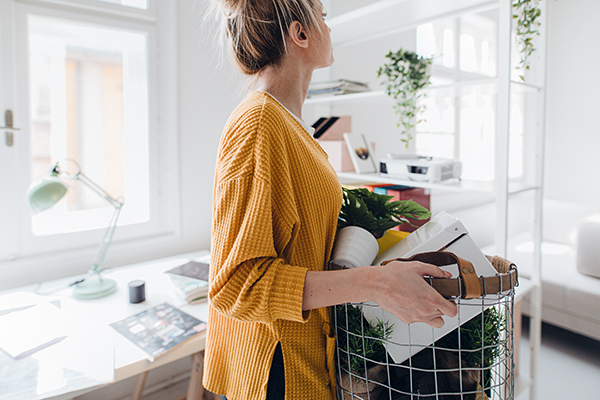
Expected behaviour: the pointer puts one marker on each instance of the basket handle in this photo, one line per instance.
(468, 285)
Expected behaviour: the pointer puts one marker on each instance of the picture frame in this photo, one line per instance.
(361, 153)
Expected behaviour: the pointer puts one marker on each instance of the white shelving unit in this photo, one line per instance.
(379, 20)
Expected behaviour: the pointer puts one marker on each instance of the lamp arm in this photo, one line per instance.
(107, 240)
(97, 189)
(108, 234)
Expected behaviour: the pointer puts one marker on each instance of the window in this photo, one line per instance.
(89, 102)
(460, 122)
(82, 79)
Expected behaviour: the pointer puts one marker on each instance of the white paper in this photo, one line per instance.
(75, 363)
(26, 331)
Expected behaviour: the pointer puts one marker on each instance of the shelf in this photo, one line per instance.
(453, 185)
(345, 97)
(522, 87)
(391, 16)
(381, 94)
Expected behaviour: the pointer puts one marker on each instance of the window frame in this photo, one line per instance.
(20, 247)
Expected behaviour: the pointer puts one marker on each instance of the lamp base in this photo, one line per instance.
(95, 288)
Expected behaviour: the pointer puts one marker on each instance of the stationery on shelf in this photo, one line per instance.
(361, 153)
(191, 281)
(159, 329)
(340, 86)
(329, 133)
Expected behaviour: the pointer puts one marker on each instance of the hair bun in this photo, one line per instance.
(231, 7)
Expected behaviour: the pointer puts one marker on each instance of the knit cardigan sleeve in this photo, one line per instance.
(250, 280)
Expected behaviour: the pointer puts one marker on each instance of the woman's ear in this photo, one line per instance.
(298, 34)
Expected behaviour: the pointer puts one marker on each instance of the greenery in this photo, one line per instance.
(403, 76)
(376, 213)
(481, 333)
(526, 13)
(360, 339)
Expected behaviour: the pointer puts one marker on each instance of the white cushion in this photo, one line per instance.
(588, 249)
(558, 269)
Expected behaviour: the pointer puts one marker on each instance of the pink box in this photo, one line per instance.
(339, 157)
(334, 127)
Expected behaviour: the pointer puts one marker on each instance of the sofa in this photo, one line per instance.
(570, 280)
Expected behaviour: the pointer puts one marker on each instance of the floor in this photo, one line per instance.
(569, 365)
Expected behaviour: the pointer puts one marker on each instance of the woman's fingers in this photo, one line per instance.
(407, 295)
(437, 322)
(433, 271)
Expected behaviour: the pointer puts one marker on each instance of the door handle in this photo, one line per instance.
(9, 128)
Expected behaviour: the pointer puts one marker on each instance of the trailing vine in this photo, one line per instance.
(526, 13)
(403, 76)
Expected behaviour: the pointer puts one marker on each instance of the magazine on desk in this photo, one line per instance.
(191, 280)
(159, 329)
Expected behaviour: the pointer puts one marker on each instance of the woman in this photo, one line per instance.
(275, 209)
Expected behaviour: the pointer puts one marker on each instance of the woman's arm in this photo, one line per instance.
(398, 288)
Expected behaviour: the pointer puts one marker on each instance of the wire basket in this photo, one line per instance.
(472, 361)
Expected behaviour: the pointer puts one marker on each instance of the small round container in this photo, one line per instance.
(137, 291)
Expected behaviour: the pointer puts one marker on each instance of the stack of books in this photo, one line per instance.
(340, 86)
(191, 281)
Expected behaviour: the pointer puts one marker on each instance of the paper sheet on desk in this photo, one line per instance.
(25, 331)
(73, 364)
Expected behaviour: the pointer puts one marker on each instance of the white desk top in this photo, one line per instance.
(94, 316)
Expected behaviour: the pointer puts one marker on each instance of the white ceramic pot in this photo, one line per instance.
(354, 247)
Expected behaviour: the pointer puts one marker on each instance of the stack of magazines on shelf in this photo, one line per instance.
(340, 86)
(191, 280)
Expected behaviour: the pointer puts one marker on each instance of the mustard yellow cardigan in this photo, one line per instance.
(275, 209)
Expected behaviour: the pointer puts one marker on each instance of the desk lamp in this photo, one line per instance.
(45, 193)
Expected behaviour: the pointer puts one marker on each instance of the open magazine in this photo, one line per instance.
(159, 329)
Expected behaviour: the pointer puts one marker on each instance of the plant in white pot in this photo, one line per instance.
(365, 217)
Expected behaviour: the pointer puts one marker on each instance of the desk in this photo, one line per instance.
(129, 360)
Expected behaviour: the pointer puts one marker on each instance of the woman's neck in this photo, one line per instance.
(288, 84)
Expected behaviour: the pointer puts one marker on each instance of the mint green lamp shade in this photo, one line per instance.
(45, 193)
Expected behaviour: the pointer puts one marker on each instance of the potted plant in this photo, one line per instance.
(404, 75)
(362, 355)
(526, 14)
(365, 216)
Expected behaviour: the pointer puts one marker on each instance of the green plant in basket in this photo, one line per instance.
(480, 341)
(376, 213)
(360, 340)
(403, 76)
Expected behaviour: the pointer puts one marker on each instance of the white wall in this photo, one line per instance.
(572, 172)
(209, 89)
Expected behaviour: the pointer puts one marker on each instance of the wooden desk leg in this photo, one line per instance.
(138, 389)
(518, 318)
(195, 388)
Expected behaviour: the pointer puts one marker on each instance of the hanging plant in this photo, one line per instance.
(526, 13)
(403, 76)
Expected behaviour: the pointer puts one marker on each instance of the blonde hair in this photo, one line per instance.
(257, 29)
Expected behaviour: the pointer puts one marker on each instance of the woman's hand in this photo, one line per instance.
(400, 289)
(397, 287)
